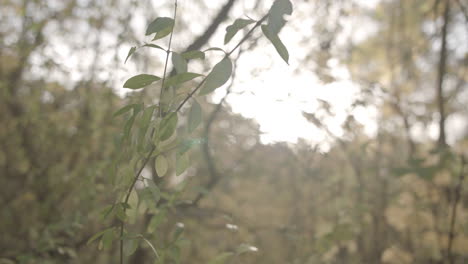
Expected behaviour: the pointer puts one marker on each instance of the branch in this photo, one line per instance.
(203, 39)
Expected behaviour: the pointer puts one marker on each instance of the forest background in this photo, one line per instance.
(355, 152)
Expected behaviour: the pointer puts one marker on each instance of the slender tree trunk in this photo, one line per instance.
(441, 73)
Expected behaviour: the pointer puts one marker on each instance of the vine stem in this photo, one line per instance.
(153, 147)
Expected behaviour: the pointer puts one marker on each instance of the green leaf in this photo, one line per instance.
(96, 236)
(129, 123)
(137, 108)
(128, 126)
(235, 27)
(154, 46)
(155, 191)
(125, 109)
(181, 78)
(195, 116)
(157, 220)
(107, 238)
(146, 195)
(222, 258)
(162, 33)
(276, 14)
(180, 64)
(276, 41)
(140, 81)
(182, 163)
(162, 26)
(188, 144)
(107, 211)
(144, 123)
(161, 165)
(120, 212)
(130, 52)
(168, 126)
(193, 54)
(218, 76)
(130, 246)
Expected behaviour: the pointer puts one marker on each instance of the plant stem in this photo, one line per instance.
(168, 51)
(127, 197)
(153, 147)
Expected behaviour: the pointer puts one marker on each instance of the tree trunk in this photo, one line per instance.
(440, 78)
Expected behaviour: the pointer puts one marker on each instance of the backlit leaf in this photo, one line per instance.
(218, 76)
(180, 64)
(193, 54)
(125, 109)
(168, 126)
(161, 165)
(235, 27)
(195, 116)
(140, 81)
(181, 78)
(128, 126)
(162, 26)
(154, 189)
(182, 163)
(276, 14)
(144, 123)
(188, 144)
(276, 41)
(130, 52)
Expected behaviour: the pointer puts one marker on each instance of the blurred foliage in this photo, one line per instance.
(383, 198)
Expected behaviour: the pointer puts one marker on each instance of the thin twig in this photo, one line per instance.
(168, 51)
(151, 246)
(453, 217)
